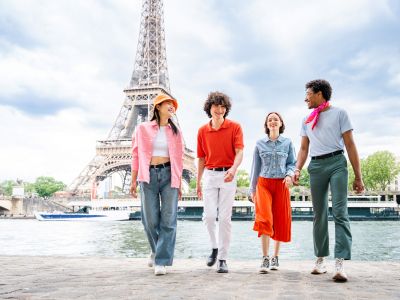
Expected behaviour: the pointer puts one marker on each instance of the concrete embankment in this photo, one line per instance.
(24, 277)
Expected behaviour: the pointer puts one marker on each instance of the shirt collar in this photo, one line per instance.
(224, 125)
(154, 123)
(279, 139)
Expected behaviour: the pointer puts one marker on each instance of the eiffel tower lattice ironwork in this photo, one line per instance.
(149, 78)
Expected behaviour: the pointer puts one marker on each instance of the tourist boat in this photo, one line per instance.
(360, 207)
(190, 208)
(95, 210)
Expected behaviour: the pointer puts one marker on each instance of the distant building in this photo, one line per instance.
(18, 191)
(62, 194)
(395, 185)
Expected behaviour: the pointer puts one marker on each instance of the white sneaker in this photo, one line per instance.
(264, 265)
(150, 262)
(340, 275)
(160, 270)
(274, 263)
(320, 267)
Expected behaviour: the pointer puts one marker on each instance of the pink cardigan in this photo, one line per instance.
(142, 150)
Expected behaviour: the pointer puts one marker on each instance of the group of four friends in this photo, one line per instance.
(157, 165)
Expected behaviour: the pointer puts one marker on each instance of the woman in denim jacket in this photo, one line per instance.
(157, 164)
(271, 176)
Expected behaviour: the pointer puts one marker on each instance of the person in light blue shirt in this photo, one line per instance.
(324, 135)
(271, 176)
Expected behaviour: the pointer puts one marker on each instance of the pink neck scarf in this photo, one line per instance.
(315, 114)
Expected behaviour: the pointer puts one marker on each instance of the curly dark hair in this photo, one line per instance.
(320, 85)
(217, 98)
(281, 129)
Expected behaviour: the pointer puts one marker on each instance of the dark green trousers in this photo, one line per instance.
(324, 173)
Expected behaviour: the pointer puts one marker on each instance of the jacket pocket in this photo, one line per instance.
(281, 160)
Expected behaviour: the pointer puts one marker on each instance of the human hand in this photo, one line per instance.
(199, 191)
(288, 181)
(296, 177)
(133, 188)
(230, 175)
(253, 197)
(358, 185)
(180, 193)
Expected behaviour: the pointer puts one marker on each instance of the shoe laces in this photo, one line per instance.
(265, 261)
(339, 264)
(319, 263)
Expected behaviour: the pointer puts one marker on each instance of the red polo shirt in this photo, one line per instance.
(217, 146)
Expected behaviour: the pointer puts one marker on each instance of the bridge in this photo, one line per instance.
(11, 205)
(27, 206)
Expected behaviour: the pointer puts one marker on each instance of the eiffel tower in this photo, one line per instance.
(149, 78)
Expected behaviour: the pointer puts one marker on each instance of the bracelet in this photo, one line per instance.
(297, 170)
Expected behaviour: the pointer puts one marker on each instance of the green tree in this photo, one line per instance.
(243, 179)
(304, 179)
(29, 188)
(6, 187)
(47, 186)
(379, 170)
(351, 174)
(192, 184)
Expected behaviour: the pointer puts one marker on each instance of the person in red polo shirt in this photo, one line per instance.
(220, 152)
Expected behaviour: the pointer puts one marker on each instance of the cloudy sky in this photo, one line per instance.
(64, 65)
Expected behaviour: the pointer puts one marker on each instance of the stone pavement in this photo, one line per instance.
(24, 277)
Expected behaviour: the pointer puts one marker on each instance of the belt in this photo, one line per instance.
(220, 169)
(327, 155)
(160, 166)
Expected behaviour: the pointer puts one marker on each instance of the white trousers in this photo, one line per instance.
(218, 197)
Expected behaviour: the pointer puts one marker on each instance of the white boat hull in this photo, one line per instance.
(91, 216)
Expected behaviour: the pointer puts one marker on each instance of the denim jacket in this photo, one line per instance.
(272, 159)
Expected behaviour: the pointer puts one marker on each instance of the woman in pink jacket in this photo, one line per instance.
(157, 164)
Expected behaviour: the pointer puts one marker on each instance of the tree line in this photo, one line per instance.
(43, 186)
(378, 170)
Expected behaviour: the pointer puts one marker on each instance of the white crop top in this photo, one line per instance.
(160, 145)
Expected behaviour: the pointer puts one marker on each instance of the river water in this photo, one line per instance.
(372, 240)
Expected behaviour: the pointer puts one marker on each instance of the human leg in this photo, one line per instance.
(343, 237)
(150, 209)
(319, 183)
(265, 244)
(226, 197)
(168, 219)
(338, 182)
(263, 222)
(210, 199)
(277, 247)
(281, 210)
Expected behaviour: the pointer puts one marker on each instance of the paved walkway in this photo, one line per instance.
(23, 277)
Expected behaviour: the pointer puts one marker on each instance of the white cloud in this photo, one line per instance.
(57, 146)
(378, 61)
(83, 53)
(296, 27)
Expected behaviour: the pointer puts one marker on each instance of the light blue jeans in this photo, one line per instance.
(159, 204)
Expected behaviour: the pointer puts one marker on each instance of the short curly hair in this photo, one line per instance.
(217, 98)
(320, 85)
(281, 129)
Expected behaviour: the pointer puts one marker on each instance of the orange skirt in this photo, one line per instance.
(273, 214)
